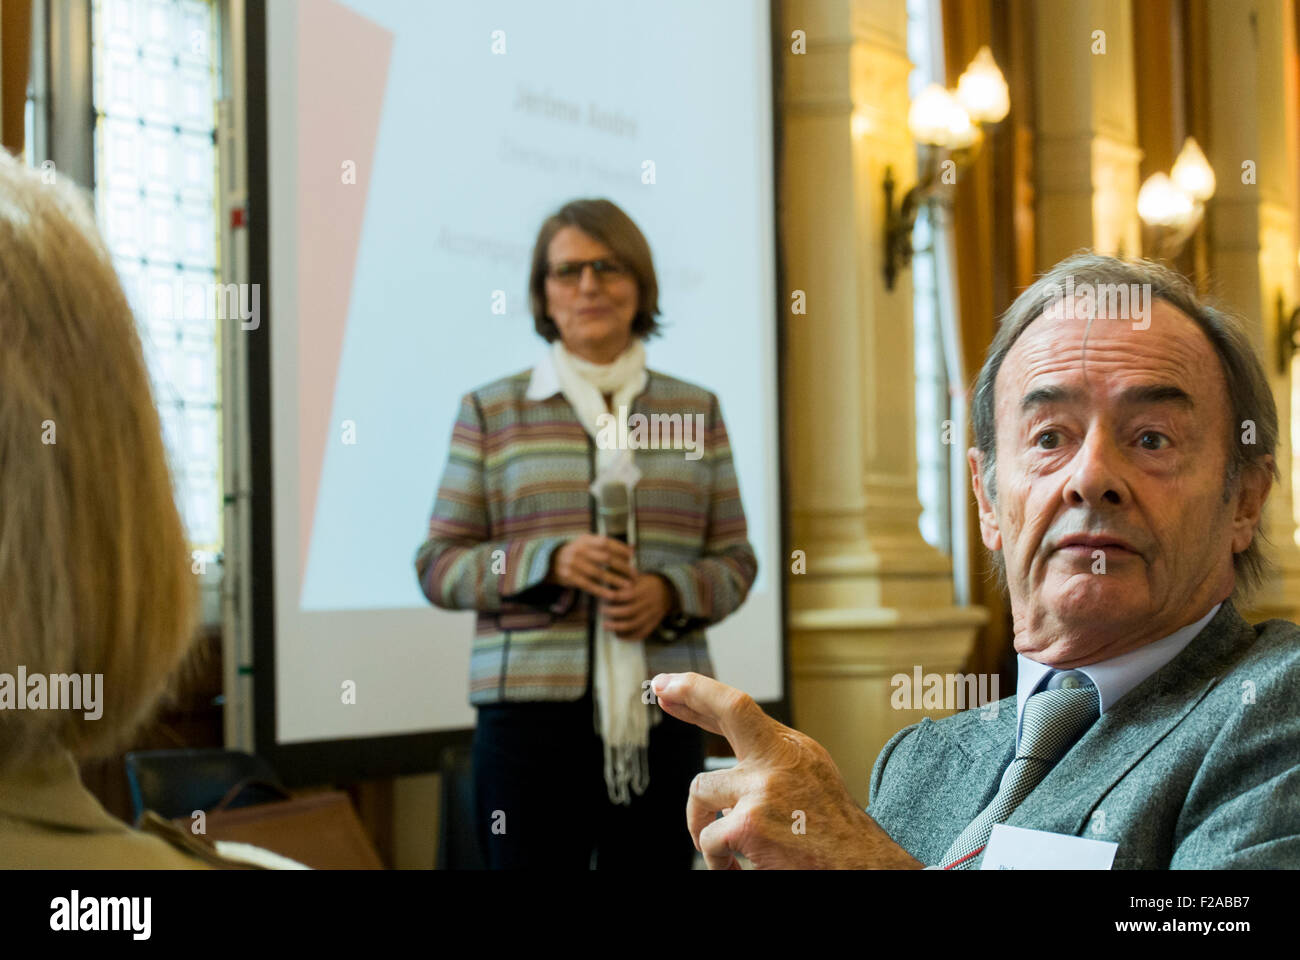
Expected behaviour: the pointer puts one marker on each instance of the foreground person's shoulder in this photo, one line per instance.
(37, 846)
(49, 820)
(194, 852)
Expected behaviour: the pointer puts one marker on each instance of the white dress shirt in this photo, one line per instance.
(1113, 678)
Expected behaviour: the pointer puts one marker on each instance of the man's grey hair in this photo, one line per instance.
(1248, 390)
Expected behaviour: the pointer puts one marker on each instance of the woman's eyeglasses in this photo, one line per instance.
(569, 272)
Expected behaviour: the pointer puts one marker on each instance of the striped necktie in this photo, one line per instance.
(1053, 721)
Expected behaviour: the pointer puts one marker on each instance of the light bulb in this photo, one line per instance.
(982, 89)
(933, 117)
(1161, 202)
(937, 118)
(961, 132)
(1192, 172)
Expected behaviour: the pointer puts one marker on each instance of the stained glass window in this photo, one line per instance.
(29, 127)
(932, 406)
(33, 107)
(941, 478)
(156, 84)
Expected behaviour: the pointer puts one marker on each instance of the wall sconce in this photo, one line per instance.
(1173, 205)
(1287, 328)
(942, 120)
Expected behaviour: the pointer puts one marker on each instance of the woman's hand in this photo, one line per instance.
(597, 565)
(639, 607)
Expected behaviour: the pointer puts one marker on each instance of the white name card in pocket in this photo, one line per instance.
(1018, 848)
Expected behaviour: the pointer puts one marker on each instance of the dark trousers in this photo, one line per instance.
(541, 799)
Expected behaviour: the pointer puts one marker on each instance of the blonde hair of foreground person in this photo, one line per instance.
(94, 565)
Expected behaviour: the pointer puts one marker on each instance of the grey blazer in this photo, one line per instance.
(1197, 767)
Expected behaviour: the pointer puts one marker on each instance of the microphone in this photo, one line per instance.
(612, 507)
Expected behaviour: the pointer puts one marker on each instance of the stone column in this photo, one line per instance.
(875, 600)
(1254, 117)
(1086, 114)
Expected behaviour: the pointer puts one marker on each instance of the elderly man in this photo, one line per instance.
(1121, 467)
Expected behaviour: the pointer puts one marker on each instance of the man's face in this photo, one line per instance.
(1110, 504)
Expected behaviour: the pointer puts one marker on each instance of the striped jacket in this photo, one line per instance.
(516, 487)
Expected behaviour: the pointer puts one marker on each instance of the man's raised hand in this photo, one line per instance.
(784, 803)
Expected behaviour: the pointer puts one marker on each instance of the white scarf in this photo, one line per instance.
(622, 719)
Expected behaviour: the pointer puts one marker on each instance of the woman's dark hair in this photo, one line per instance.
(604, 221)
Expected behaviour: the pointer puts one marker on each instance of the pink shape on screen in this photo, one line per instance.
(342, 73)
